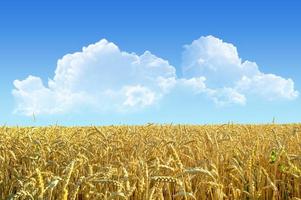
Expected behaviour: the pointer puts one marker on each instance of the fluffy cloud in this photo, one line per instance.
(102, 77)
(229, 78)
(268, 86)
(217, 61)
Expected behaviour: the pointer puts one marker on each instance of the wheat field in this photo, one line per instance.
(151, 162)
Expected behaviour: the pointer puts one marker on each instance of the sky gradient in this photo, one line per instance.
(34, 35)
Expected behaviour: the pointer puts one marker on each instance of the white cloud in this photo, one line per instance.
(102, 77)
(226, 96)
(138, 95)
(268, 86)
(216, 60)
(34, 98)
(228, 77)
(197, 84)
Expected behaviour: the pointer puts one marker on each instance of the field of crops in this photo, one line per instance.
(151, 162)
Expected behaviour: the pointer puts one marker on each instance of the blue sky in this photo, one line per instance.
(35, 34)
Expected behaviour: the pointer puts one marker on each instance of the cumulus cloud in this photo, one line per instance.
(138, 95)
(268, 86)
(229, 78)
(102, 77)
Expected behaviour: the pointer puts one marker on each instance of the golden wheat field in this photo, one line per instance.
(151, 162)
